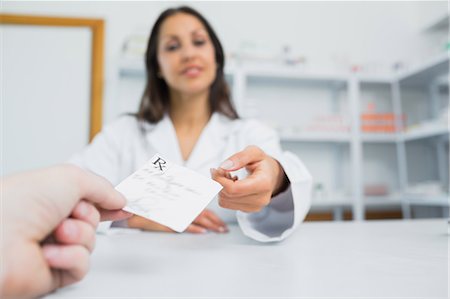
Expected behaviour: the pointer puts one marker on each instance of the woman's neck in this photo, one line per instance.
(189, 110)
(189, 115)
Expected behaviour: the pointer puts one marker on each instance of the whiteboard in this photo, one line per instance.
(45, 94)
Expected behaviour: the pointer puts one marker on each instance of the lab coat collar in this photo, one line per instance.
(211, 142)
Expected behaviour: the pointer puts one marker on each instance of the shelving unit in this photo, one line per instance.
(351, 144)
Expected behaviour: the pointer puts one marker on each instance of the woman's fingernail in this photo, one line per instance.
(203, 231)
(227, 165)
(222, 229)
(212, 171)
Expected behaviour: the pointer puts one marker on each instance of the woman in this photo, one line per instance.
(186, 115)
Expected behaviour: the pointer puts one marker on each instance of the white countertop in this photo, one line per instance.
(404, 258)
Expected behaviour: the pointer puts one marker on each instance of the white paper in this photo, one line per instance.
(167, 193)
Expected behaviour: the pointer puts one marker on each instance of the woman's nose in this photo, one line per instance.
(188, 52)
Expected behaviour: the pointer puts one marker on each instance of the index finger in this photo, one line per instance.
(235, 188)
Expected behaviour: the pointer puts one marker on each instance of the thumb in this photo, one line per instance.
(249, 155)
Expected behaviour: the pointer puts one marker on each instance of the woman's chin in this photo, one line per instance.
(195, 90)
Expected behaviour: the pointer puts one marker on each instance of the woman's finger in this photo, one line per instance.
(113, 215)
(215, 219)
(196, 229)
(75, 232)
(255, 183)
(249, 155)
(208, 224)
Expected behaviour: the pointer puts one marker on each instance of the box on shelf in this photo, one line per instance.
(382, 122)
(376, 190)
(328, 123)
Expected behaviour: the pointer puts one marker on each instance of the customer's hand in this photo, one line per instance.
(266, 178)
(206, 221)
(49, 218)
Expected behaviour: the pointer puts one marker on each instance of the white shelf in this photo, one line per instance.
(374, 201)
(379, 137)
(440, 23)
(321, 205)
(295, 74)
(316, 137)
(375, 79)
(425, 73)
(132, 68)
(441, 200)
(426, 132)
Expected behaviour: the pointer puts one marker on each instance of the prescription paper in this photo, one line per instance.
(167, 193)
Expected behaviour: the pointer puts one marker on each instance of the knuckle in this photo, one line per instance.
(224, 203)
(231, 190)
(69, 171)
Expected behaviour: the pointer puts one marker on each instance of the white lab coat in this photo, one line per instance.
(126, 144)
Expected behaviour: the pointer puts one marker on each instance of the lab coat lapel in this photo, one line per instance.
(164, 140)
(210, 145)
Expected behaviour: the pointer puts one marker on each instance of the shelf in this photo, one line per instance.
(427, 72)
(284, 73)
(328, 204)
(375, 79)
(440, 23)
(428, 200)
(132, 68)
(379, 137)
(375, 201)
(316, 137)
(426, 131)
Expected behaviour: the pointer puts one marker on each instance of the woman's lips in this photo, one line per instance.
(192, 71)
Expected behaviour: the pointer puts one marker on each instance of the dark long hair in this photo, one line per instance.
(155, 100)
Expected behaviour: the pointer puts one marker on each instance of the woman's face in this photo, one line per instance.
(186, 54)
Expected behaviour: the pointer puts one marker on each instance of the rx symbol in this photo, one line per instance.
(160, 163)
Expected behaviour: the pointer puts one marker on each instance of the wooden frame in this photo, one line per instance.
(97, 27)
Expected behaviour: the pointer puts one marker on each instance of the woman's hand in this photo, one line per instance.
(266, 178)
(206, 221)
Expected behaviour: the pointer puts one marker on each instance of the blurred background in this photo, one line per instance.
(358, 90)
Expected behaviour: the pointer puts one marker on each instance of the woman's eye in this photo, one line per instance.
(172, 47)
(199, 42)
